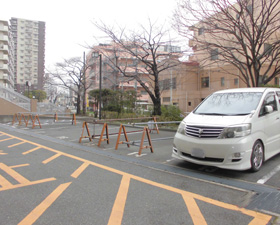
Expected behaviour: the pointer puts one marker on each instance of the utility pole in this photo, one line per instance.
(100, 84)
(85, 94)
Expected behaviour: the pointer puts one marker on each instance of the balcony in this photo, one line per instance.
(4, 57)
(4, 67)
(4, 29)
(4, 38)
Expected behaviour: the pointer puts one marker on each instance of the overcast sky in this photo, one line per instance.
(69, 23)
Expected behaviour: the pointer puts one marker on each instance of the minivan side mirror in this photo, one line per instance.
(268, 109)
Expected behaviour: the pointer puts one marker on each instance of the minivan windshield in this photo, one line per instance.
(229, 104)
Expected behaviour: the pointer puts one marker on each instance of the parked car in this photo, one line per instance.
(233, 129)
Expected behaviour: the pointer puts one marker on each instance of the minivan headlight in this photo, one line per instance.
(181, 128)
(236, 131)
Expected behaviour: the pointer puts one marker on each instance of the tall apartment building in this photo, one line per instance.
(6, 56)
(29, 39)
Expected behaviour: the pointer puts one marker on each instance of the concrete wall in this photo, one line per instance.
(8, 108)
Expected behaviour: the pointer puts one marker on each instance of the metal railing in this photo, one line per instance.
(14, 97)
(49, 108)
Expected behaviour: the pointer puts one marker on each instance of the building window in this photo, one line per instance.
(267, 49)
(276, 81)
(166, 99)
(174, 83)
(236, 81)
(201, 31)
(222, 81)
(214, 54)
(205, 82)
(249, 10)
(144, 93)
(166, 84)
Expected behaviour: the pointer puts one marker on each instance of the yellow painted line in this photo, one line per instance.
(119, 205)
(31, 150)
(260, 217)
(27, 184)
(194, 211)
(13, 174)
(80, 170)
(21, 165)
(10, 146)
(51, 158)
(4, 182)
(7, 139)
(44, 205)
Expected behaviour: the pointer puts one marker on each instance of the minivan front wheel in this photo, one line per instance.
(257, 156)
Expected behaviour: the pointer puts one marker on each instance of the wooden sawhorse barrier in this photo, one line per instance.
(128, 143)
(55, 118)
(16, 117)
(156, 126)
(90, 137)
(33, 119)
(21, 116)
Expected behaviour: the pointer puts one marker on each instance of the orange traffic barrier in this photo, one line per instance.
(16, 116)
(85, 125)
(27, 120)
(145, 131)
(155, 127)
(128, 143)
(22, 117)
(55, 119)
(90, 137)
(34, 121)
(105, 128)
(74, 119)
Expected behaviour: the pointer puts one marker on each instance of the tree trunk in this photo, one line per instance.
(157, 107)
(84, 104)
(78, 104)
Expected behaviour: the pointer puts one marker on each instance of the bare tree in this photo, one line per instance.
(70, 74)
(140, 55)
(240, 33)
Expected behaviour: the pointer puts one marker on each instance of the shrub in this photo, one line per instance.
(170, 113)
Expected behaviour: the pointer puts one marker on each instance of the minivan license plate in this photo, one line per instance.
(199, 153)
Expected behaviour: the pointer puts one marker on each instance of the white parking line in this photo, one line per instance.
(169, 160)
(265, 178)
(140, 155)
(132, 153)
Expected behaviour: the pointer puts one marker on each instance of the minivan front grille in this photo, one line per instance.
(203, 131)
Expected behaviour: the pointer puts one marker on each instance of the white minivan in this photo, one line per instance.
(233, 129)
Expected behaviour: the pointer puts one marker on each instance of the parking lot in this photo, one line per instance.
(264, 182)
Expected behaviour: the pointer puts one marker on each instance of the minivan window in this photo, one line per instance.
(230, 104)
(269, 100)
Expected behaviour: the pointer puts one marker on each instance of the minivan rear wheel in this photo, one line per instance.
(257, 156)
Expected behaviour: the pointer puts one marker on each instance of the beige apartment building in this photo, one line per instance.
(206, 71)
(111, 77)
(29, 39)
(6, 56)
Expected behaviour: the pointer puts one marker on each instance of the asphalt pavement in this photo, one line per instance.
(236, 188)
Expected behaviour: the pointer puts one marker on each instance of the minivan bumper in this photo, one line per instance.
(232, 153)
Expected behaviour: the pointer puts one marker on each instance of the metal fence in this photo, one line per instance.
(49, 108)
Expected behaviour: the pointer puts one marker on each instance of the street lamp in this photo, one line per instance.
(95, 55)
